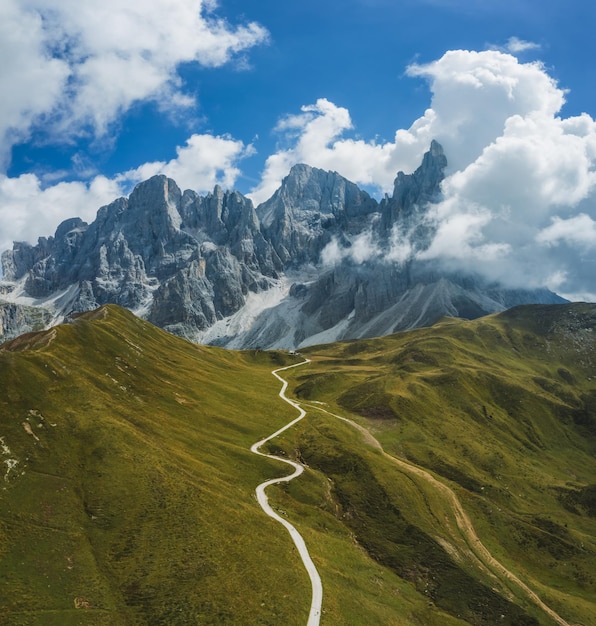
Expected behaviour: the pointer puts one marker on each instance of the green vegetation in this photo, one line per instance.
(131, 501)
(502, 410)
(132, 497)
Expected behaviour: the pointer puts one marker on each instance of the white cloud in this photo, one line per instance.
(475, 93)
(26, 69)
(88, 62)
(515, 45)
(332, 253)
(202, 163)
(361, 249)
(495, 212)
(400, 247)
(473, 96)
(364, 248)
(460, 235)
(579, 230)
(27, 211)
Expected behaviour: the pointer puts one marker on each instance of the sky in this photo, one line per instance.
(96, 97)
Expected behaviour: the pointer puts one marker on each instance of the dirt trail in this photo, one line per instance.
(314, 615)
(463, 521)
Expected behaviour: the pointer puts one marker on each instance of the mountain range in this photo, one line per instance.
(321, 260)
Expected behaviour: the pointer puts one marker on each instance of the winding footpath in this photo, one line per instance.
(463, 522)
(314, 615)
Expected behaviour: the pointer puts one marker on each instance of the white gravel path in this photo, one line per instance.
(314, 616)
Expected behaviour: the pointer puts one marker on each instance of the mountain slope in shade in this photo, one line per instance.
(201, 267)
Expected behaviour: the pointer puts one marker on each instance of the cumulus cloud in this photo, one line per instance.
(519, 198)
(88, 62)
(460, 236)
(202, 163)
(579, 230)
(30, 70)
(27, 210)
(496, 210)
(473, 96)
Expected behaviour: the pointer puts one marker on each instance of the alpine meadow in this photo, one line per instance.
(450, 475)
(297, 313)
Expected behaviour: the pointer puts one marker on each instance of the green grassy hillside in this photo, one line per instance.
(126, 494)
(127, 487)
(502, 410)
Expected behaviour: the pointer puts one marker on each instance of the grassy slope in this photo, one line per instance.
(138, 504)
(132, 497)
(503, 409)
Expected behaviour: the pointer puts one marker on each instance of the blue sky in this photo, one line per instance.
(96, 97)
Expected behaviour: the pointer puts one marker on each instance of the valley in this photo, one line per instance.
(455, 488)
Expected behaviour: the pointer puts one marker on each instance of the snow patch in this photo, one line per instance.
(241, 321)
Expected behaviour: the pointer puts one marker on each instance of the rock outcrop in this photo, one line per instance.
(16, 319)
(320, 260)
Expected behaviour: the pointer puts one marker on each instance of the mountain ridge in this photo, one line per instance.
(196, 265)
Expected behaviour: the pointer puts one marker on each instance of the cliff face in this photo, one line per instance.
(18, 319)
(319, 260)
(309, 208)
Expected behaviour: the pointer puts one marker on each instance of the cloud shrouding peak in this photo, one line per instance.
(473, 96)
(519, 199)
(88, 62)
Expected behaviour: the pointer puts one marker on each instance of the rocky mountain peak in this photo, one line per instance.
(423, 185)
(412, 193)
(68, 226)
(206, 266)
(155, 192)
(156, 201)
(310, 207)
(309, 189)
